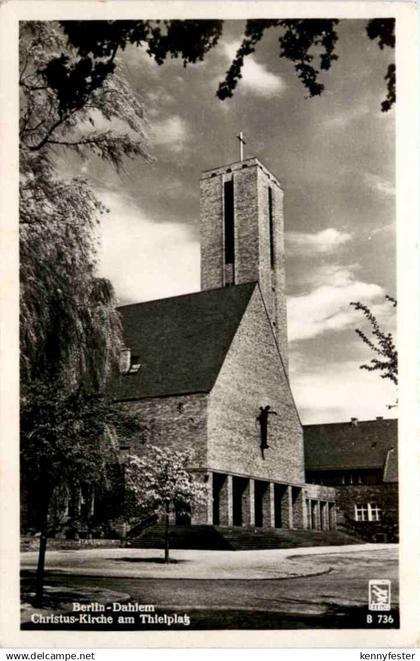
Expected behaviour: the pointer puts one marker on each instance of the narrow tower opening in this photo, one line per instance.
(270, 220)
(229, 224)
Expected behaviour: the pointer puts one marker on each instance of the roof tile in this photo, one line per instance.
(181, 341)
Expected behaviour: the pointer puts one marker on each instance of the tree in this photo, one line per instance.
(308, 43)
(301, 42)
(69, 437)
(381, 343)
(70, 330)
(161, 484)
(68, 322)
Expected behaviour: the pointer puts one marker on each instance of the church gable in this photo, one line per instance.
(180, 343)
(253, 376)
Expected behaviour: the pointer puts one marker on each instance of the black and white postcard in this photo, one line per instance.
(208, 405)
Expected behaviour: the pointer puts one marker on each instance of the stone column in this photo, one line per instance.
(318, 515)
(202, 513)
(248, 504)
(332, 516)
(210, 499)
(306, 506)
(298, 507)
(272, 513)
(325, 516)
(290, 499)
(287, 508)
(268, 506)
(226, 502)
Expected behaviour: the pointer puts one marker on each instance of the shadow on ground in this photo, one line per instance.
(160, 561)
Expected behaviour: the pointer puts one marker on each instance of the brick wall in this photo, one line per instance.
(252, 237)
(384, 495)
(178, 422)
(211, 212)
(252, 376)
(273, 280)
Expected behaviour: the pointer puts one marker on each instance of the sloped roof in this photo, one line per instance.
(181, 341)
(391, 466)
(343, 445)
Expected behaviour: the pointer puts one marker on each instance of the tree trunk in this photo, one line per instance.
(40, 572)
(167, 532)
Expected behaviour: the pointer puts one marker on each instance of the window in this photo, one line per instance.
(270, 219)
(361, 512)
(375, 512)
(129, 362)
(135, 364)
(229, 223)
(367, 512)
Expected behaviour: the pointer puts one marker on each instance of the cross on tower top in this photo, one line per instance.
(241, 143)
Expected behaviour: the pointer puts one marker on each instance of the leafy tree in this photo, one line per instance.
(161, 484)
(305, 42)
(308, 43)
(70, 330)
(69, 437)
(381, 343)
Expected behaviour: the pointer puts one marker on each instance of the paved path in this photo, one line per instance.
(220, 565)
(331, 594)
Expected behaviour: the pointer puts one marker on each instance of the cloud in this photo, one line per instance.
(310, 243)
(255, 76)
(143, 259)
(342, 119)
(379, 184)
(136, 60)
(337, 391)
(327, 307)
(171, 132)
(157, 99)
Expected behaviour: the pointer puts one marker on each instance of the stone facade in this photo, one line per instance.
(247, 484)
(253, 260)
(252, 377)
(384, 495)
(177, 422)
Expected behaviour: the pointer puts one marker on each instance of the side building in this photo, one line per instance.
(360, 460)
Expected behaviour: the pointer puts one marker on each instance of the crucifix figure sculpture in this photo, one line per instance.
(241, 143)
(262, 418)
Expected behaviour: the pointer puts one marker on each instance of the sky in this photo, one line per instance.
(334, 157)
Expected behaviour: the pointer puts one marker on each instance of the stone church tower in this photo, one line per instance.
(242, 236)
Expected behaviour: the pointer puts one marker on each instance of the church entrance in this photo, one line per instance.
(281, 514)
(262, 504)
(313, 515)
(221, 499)
(239, 485)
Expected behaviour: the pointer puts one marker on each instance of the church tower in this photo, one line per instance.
(242, 236)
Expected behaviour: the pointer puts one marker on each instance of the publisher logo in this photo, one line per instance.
(379, 595)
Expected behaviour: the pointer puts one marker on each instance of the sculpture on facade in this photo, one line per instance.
(262, 418)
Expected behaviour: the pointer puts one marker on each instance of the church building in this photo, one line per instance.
(208, 371)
